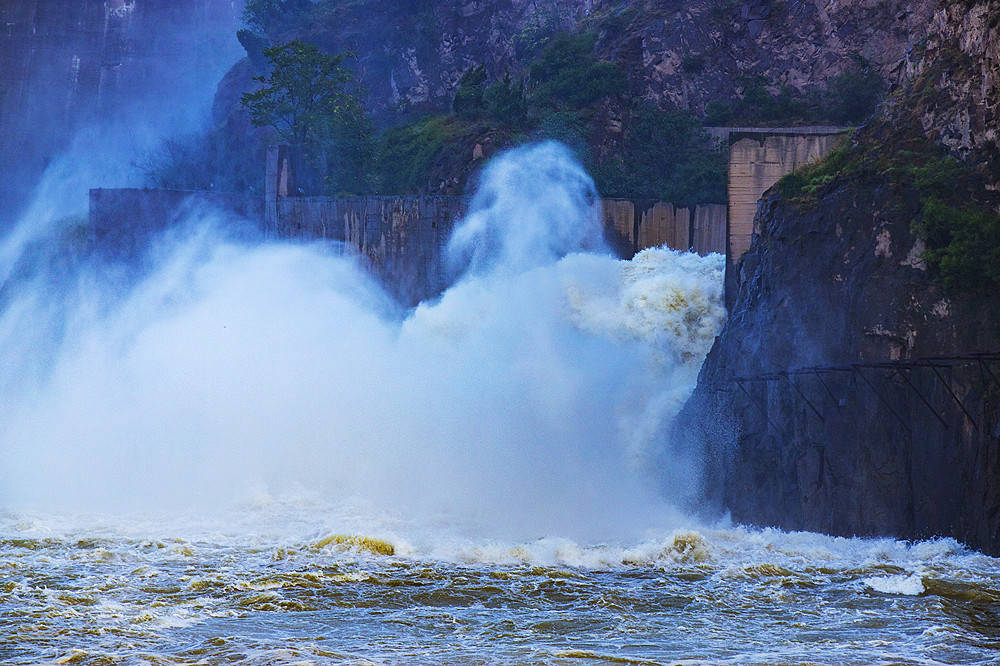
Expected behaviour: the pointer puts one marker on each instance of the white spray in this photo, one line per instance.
(525, 402)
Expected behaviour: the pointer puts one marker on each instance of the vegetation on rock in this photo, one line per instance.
(848, 98)
(951, 210)
(308, 98)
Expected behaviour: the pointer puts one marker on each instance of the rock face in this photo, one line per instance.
(898, 431)
(685, 54)
(757, 160)
(953, 84)
(676, 53)
(862, 450)
(76, 63)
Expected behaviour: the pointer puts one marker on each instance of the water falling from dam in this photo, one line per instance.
(237, 450)
(249, 452)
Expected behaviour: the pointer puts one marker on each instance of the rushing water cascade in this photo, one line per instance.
(248, 453)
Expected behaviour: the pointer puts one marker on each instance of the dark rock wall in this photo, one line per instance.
(857, 450)
(910, 448)
(68, 64)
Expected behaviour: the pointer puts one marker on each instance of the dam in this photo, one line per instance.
(400, 239)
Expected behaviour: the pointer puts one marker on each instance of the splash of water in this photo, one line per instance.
(525, 402)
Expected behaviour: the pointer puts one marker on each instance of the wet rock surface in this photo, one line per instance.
(898, 433)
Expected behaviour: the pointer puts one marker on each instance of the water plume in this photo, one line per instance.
(528, 400)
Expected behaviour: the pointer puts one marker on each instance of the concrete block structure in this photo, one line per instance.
(758, 158)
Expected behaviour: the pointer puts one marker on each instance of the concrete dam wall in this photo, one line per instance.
(399, 239)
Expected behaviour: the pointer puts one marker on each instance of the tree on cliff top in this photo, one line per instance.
(310, 99)
(305, 91)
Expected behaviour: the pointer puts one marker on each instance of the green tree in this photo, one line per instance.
(468, 102)
(505, 101)
(310, 99)
(567, 74)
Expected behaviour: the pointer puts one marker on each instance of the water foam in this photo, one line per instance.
(527, 401)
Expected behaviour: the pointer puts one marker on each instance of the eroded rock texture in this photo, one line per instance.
(71, 64)
(838, 281)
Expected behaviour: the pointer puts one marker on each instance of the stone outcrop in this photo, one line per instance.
(859, 450)
(680, 54)
(951, 84)
(843, 394)
(76, 64)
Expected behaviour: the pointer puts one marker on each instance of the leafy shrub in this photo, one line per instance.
(665, 155)
(566, 127)
(850, 97)
(567, 74)
(962, 234)
(963, 244)
(853, 96)
(406, 154)
(468, 102)
(505, 101)
(310, 100)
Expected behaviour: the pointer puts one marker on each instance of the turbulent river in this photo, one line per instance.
(279, 585)
(241, 451)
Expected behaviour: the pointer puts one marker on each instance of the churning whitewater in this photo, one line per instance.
(244, 451)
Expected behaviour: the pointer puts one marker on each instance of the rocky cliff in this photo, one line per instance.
(69, 64)
(844, 393)
(717, 59)
(680, 54)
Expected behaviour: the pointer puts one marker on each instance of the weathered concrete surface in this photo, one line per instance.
(123, 221)
(618, 217)
(758, 158)
(701, 229)
(708, 229)
(663, 224)
(400, 240)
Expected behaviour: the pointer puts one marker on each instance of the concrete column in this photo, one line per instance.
(277, 183)
(758, 158)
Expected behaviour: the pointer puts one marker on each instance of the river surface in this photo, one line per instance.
(276, 583)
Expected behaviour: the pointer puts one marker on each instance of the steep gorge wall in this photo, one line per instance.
(807, 413)
(677, 53)
(844, 394)
(70, 64)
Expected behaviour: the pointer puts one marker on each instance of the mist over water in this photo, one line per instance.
(525, 402)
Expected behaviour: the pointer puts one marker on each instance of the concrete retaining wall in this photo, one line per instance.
(757, 160)
(399, 239)
(124, 221)
(633, 226)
